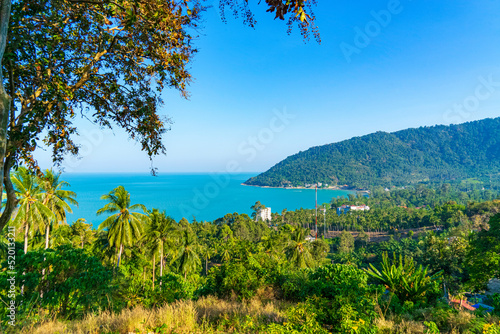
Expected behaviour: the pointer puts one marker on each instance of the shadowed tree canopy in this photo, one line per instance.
(107, 61)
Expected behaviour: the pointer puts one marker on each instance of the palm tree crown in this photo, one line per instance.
(298, 249)
(56, 199)
(123, 226)
(158, 234)
(187, 254)
(32, 211)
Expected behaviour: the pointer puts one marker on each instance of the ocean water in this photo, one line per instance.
(201, 196)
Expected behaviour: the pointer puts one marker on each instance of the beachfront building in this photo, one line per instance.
(265, 214)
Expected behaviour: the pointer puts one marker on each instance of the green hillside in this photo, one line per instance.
(437, 153)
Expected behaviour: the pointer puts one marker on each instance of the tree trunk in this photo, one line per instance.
(153, 271)
(47, 231)
(161, 260)
(25, 251)
(119, 256)
(206, 266)
(26, 229)
(5, 103)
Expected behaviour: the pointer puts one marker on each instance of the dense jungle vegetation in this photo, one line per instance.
(393, 269)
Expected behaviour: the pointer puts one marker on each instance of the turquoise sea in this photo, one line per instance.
(204, 196)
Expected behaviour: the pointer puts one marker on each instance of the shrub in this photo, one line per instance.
(339, 293)
(404, 279)
(491, 328)
(236, 277)
(72, 282)
(302, 318)
(494, 301)
(171, 287)
(295, 285)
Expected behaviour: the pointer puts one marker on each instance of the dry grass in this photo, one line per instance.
(402, 327)
(217, 316)
(180, 316)
(384, 326)
(409, 326)
(461, 321)
(203, 315)
(211, 309)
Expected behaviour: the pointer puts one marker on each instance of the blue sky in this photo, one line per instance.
(260, 95)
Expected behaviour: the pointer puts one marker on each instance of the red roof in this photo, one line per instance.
(463, 303)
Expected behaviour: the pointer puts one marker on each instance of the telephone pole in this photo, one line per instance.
(316, 187)
(324, 221)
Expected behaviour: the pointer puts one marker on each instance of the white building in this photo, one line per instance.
(360, 208)
(346, 208)
(265, 214)
(310, 238)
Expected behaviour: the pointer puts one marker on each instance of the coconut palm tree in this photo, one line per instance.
(124, 226)
(32, 211)
(158, 235)
(283, 213)
(298, 249)
(187, 254)
(224, 250)
(103, 248)
(207, 252)
(56, 199)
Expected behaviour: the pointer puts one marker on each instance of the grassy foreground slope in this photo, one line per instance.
(435, 154)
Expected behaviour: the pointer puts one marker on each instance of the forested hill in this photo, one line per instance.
(437, 153)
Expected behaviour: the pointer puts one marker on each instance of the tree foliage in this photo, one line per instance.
(299, 249)
(124, 226)
(33, 213)
(76, 282)
(107, 61)
(484, 256)
(258, 263)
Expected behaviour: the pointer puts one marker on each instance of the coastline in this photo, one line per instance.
(311, 188)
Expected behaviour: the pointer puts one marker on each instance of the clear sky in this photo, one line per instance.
(260, 95)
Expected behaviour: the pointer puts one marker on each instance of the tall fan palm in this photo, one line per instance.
(124, 226)
(158, 235)
(32, 211)
(56, 199)
(187, 254)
